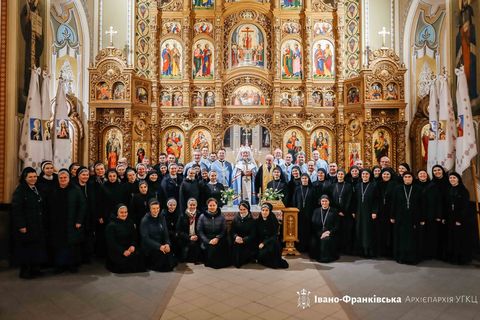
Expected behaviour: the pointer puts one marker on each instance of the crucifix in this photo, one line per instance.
(248, 39)
(384, 34)
(111, 32)
(247, 132)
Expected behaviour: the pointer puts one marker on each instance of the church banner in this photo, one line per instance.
(432, 133)
(446, 127)
(46, 117)
(466, 145)
(61, 133)
(32, 134)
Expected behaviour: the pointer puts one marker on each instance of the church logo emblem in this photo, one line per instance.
(303, 299)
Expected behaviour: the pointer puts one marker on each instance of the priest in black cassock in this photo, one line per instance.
(407, 217)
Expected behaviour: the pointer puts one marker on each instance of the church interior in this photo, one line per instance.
(349, 79)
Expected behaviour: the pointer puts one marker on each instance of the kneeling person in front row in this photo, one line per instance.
(155, 239)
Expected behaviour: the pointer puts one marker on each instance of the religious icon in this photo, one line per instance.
(291, 28)
(381, 143)
(353, 95)
(202, 66)
(442, 125)
(248, 96)
(323, 59)
(391, 92)
(293, 142)
(177, 99)
(203, 27)
(354, 153)
(197, 99)
(376, 91)
(171, 28)
(35, 129)
(292, 64)
(317, 98)
(142, 95)
(285, 99)
(173, 140)
(291, 4)
(265, 137)
(247, 47)
(460, 123)
(166, 99)
(209, 99)
(322, 28)
(203, 4)
(119, 91)
(113, 146)
(329, 99)
(227, 138)
(171, 59)
(62, 129)
(354, 126)
(425, 136)
(46, 124)
(321, 140)
(103, 93)
(141, 148)
(201, 138)
(297, 99)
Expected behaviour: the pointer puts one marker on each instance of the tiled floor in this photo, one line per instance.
(253, 292)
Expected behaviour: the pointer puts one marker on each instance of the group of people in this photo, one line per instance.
(154, 217)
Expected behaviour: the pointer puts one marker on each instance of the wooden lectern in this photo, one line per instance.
(290, 227)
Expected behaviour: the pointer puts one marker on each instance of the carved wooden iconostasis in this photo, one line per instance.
(282, 74)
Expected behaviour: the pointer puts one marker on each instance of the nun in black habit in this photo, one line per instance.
(407, 217)
(458, 215)
(269, 248)
(244, 248)
(123, 253)
(365, 210)
(28, 211)
(325, 222)
(305, 200)
(188, 239)
(156, 241)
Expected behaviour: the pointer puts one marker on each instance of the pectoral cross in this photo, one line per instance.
(384, 34)
(111, 32)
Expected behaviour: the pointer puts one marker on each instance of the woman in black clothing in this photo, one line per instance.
(243, 236)
(325, 221)
(47, 180)
(365, 210)
(28, 225)
(269, 249)
(87, 190)
(139, 204)
(377, 173)
(113, 194)
(154, 184)
(156, 241)
(123, 254)
(342, 192)
(353, 177)
(321, 186)
(190, 188)
(278, 185)
(423, 181)
(436, 211)
(73, 168)
(188, 240)
(293, 183)
(100, 218)
(212, 231)
(384, 228)
(458, 213)
(407, 217)
(171, 184)
(305, 200)
(170, 214)
(131, 185)
(211, 189)
(163, 172)
(66, 210)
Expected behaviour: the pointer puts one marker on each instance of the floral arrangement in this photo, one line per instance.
(228, 195)
(271, 194)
